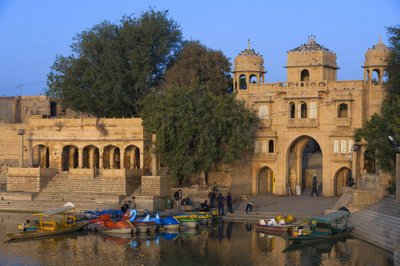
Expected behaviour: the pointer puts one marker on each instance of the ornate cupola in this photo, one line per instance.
(311, 62)
(248, 68)
(375, 63)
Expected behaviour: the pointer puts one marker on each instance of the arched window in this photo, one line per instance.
(292, 110)
(242, 82)
(305, 75)
(263, 112)
(342, 110)
(271, 146)
(376, 76)
(303, 107)
(385, 77)
(253, 79)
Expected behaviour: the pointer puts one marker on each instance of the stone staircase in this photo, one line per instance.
(379, 224)
(86, 194)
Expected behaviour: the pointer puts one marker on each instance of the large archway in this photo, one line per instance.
(132, 157)
(41, 156)
(69, 157)
(90, 157)
(265, 181)
(111, 157)
(340, 180)
(304, 161)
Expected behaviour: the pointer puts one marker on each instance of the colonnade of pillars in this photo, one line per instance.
(87, 157)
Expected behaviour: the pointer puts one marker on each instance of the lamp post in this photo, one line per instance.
(21, 132)
(354, 166)
(397, 167)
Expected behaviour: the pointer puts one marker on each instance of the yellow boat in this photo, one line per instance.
(51, 222)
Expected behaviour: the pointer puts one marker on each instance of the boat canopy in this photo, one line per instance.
(331, 217)
(55, 211)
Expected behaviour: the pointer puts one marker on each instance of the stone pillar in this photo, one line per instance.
(112, 150)
(121, 158)
(101, 151)
(91, 157)
(80, 158)
(71, 157)
(153, 155)
(21, 132)
(398, 174)
(132, 158)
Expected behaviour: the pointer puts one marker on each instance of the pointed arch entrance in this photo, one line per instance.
(265, 181)
(132, 157)
(304, 160)
(340, 180)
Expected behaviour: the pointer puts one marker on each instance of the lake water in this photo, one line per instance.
(222, 244)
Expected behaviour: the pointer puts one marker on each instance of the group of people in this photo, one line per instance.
(216, 200)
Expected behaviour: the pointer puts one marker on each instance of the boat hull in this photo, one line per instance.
(44, 233)
(128, 230)
(273, 230)
(317, 238)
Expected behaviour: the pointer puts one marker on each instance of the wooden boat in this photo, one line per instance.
(51, 222)
(170, 223)
(274, 229)
(325, 227)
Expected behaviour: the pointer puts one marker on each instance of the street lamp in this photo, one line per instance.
(21, 132)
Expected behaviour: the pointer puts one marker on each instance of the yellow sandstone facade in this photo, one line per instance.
(307, 124)
(307, 127)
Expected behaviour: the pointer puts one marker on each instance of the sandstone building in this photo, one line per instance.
(308, 122)
(307, 126)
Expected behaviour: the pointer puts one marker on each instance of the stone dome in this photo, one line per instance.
(376, 55)
(249, 60)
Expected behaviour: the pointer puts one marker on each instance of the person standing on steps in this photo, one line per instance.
(229, 202)
(314, 186)
(211, 197)
(178, 197)
(220, 202)
(249, 207)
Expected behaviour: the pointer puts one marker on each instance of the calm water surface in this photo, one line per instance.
(223, 244)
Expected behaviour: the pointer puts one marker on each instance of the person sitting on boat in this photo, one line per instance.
(204, 206)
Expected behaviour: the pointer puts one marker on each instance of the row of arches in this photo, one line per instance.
(90, 156)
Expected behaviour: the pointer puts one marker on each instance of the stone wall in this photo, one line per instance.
(157, 185)
(28, 179)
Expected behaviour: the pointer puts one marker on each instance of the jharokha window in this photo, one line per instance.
(303, 107)
(292, 110)
(342, 110)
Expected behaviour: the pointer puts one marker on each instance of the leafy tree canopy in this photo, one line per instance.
(379, 127)
(113, 66)
(201, 67)
(196, 128)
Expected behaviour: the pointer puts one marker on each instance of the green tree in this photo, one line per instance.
(201, 67)
(113, 66)
(377, 130)
(196, 128)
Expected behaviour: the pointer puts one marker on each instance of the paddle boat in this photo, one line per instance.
(106, 225)
(148, 224)
(170, 223)
(321, 228)
(52, 222)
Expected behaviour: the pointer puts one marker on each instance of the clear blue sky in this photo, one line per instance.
(33, 32)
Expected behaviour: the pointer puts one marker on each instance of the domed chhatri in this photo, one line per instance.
(376, 55)
(249, 60)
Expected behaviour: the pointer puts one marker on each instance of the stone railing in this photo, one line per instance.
(302, 123)
(113, 173)
(343, 121)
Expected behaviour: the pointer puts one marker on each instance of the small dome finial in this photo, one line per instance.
(248, 44)
(380, 39)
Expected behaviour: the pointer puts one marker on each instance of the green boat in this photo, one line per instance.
(322, 228)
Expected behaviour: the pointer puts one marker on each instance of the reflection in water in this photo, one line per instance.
(225, 243)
